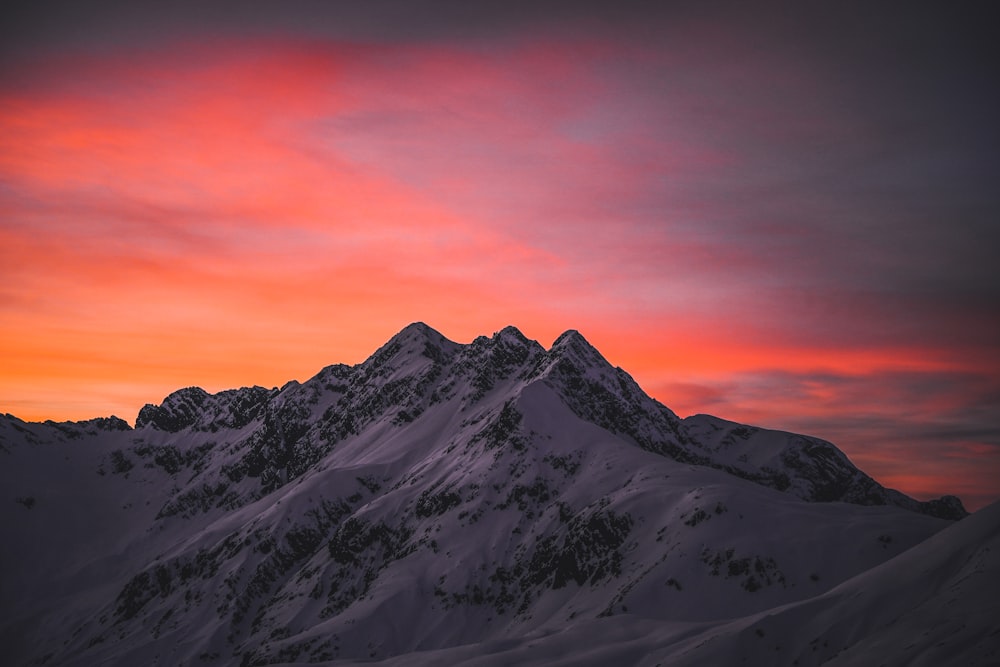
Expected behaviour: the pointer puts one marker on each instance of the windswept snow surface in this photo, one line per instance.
(935, 604)
(489, 503)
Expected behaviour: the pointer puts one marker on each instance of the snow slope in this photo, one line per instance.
(936, 604)
(437, 501)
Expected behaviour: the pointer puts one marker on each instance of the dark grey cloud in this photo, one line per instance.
(33, 26)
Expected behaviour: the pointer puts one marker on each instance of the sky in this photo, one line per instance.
(784, 214)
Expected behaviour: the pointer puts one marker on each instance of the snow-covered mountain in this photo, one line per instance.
(438, 503)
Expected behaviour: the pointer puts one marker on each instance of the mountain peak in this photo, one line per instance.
(414, 340)
(178, 410)
(570, 337)
(193, 407)
(418, 334)
(512, 332)
(574, 340)
(572, 344)
(419, 328)
(459, 493)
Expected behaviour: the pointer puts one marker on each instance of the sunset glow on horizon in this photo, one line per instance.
(744, 227)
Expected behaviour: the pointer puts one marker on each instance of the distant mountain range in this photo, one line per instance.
(485, 504)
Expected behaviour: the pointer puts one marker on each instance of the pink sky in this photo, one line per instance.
(732, 222)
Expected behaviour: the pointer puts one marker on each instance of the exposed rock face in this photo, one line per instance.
(195, 408)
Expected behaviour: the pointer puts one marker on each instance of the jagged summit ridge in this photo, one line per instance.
(419, 368)
(193, 407)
